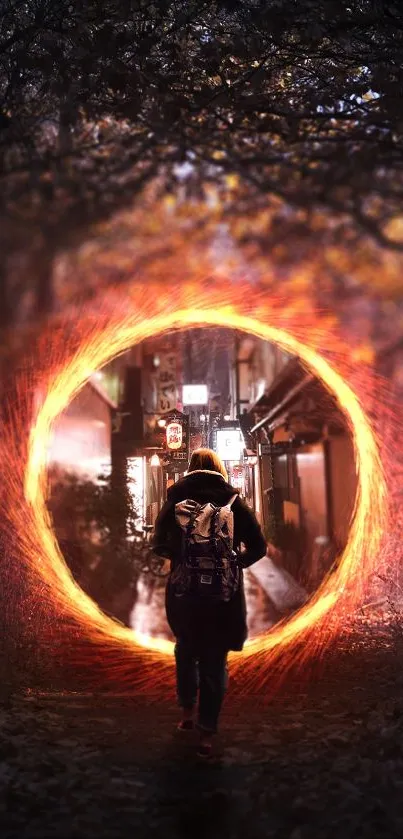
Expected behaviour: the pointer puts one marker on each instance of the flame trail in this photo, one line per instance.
(73, 347)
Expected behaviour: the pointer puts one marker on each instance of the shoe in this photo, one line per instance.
(185, 725)
(204, 750)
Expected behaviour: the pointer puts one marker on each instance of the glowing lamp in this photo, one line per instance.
(174, 435)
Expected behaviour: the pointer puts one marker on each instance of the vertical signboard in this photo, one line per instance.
(167, 383)
(136, 486)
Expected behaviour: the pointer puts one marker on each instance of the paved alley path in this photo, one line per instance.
(321, 761)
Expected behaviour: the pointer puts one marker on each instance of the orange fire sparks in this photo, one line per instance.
(75, 347)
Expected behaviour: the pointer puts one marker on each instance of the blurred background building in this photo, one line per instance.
(281, 434)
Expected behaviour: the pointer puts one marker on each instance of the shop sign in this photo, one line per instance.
(174, 435)
(276, 449)
(166, 383)
(237, 477)
(195, 395)
(265, 449)
(229, 444)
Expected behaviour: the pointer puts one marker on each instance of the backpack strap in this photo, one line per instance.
(232, 499)
(213, 521)
(192, 519)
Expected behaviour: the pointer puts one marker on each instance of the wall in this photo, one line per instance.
(292, 513)
(343, 485)
(264, 483)
(263, 360)
(312, 477)
(81, 437)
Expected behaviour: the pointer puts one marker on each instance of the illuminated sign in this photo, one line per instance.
(174, 435)
(176, 438)
(195, 395)
(136, 486)
(230, 444)
(237, 477)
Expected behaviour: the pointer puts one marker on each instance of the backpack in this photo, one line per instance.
(208, 566)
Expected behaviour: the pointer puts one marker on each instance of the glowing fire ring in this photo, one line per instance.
(118, 325)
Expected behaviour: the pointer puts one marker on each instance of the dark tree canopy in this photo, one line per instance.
(288, 104)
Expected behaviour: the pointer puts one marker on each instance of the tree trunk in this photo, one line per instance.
(20, 618)
(43, 273)
(5, 300)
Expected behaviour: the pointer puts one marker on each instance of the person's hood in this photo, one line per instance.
(202, 485)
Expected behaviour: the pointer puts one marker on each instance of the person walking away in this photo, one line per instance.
(209, 534)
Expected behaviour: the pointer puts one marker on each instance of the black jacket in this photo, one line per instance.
(222, 625)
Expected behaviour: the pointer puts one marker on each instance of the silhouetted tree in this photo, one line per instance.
(282, 104)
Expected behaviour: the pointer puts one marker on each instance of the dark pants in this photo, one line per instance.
(207, 673)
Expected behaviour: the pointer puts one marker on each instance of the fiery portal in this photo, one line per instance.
(75, 347)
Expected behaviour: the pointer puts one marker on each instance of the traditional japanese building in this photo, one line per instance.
(299, 458)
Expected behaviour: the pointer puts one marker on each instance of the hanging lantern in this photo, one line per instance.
(174, 435)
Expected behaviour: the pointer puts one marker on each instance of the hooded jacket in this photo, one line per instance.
(221, 625)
